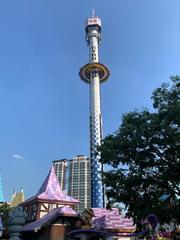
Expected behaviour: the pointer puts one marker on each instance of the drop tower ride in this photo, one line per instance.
(95, 73)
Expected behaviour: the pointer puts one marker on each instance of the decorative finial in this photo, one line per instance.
(93, 13)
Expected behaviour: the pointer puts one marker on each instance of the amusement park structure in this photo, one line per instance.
(95, 73)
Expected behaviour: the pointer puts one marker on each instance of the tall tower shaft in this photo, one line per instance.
(95, 73)
(1, 191)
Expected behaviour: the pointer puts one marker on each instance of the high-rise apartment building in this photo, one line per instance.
(60, 167)
(79, 181)
(74, 176)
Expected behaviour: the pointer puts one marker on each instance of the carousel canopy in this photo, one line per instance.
(111, 219)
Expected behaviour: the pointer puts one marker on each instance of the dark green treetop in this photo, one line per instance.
(4, 212)
(144, 154)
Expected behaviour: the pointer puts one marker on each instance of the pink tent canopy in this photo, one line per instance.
(50, 190)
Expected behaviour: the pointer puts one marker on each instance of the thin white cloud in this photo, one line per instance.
(17, 156)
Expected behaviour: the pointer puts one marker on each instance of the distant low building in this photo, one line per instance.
(17, 198)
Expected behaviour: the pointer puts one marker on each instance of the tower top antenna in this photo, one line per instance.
(93, 13)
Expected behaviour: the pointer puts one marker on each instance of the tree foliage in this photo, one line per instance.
(4, 212)
(144, 155)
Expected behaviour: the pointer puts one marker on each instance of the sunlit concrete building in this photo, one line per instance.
(79, 181)
(74, 176)
(60, 167)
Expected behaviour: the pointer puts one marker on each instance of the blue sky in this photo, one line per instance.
(44, 105)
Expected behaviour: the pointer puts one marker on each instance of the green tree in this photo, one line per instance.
(144, 155)
(4, 212)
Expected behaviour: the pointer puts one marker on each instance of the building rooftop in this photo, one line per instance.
(60, 160)
(106, 223)
(51, 216)
(111, 219)
(51, 191)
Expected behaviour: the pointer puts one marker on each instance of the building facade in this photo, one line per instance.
(79, 181)
(74, 176)
(60, 167)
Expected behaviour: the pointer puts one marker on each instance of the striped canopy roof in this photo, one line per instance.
(108, 223)
(111, 219)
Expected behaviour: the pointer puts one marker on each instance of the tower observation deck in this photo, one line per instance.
(94, 73)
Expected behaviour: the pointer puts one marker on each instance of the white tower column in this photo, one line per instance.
(94, 73)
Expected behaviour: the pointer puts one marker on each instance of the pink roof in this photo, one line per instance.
(111, 219)
(48, 218)
(50, 190)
